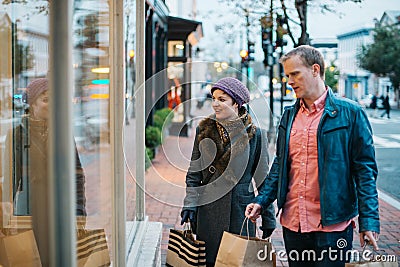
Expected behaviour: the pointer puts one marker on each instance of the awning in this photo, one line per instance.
(182, 29)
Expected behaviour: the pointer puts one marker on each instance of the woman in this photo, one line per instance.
(28, 144)
(228, 152)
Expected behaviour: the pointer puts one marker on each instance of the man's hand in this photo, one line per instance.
(252, 212)
(370, 237)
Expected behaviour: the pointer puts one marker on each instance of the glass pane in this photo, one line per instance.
(176, 49)
(24, 38)
(175, 73)
(24, 112)
(130, 122)
(91, 109)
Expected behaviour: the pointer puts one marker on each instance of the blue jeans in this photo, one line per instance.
(318, 249)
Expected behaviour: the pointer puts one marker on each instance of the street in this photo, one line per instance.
(165, 180)
(387, 144)
(386, 139)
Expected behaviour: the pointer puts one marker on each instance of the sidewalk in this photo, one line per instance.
(165, 188)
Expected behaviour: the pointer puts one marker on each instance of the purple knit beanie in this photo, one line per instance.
(234, 88)
(36, 88)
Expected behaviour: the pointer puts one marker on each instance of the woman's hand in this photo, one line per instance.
(253, 211)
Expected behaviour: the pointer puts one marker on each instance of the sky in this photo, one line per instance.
(348, 16)
(354, 16)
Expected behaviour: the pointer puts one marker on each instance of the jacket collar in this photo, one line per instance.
(330, 105)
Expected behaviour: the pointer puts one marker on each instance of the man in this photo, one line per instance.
(324, 173)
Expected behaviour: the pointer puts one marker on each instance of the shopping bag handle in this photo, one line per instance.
(241, 229)
(247, 226)
(187, 230)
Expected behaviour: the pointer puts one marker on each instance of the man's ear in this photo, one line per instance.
(315, 69)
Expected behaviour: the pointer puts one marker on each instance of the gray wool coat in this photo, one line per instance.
(219, 182)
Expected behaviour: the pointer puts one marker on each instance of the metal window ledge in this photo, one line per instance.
(143, 243)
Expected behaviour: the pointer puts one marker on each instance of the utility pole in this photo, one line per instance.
(248, 51)
(281, 42)
(271, 130)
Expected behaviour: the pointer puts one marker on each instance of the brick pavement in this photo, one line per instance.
(165, 182)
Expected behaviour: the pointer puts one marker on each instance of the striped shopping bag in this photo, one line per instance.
(184, 250)
(92, 248)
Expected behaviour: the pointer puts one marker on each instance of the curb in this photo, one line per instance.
(388, 199)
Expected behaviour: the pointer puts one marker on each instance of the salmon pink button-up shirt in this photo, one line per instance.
(301, 212)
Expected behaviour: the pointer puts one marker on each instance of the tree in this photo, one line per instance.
(332, 77)
(23, 58)
(382, 56)
(294, 17)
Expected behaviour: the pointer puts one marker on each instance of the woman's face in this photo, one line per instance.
(224, 106)
(40, 108)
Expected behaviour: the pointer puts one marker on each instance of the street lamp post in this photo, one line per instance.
(271, 130)
(248, 59)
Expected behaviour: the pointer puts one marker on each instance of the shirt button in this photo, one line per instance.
(301, 196)
(302, 181)
(304, 146)
(302, 163)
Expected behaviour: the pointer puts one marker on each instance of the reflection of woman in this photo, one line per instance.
(30, 178)
(225, 157)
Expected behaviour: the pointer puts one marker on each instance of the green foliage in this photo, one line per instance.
(162, 118)
(382, 56)
(332, 77)
(152, 136)
(148, 157)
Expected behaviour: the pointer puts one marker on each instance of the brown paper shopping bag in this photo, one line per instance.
(372, 264)
(19, 250)
(184, 250)
(92, 248)
(378, 260)
(236, 250)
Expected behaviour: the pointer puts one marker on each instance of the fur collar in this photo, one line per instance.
(240, 132)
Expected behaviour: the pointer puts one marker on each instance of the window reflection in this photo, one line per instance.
(91, 108)
(26, 165)
(175, 73)
(24, 64)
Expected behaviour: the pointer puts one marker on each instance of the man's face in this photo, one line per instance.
(300, 77)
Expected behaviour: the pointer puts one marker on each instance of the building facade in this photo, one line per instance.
(355, 82)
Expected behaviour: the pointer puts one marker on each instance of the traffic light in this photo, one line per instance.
(90, 31)
(244, 55)
(266, 37)
(265, 41)
(250, 51)
(280, 31)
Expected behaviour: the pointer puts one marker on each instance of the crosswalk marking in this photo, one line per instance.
(383, 120)
(395, 136)
(381, 142)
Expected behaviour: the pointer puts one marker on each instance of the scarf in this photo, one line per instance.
(231, 137)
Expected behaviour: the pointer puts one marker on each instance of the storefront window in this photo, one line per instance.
(24, 130)
(24, 99)
(175, 73)
(91, 109)
(176, 49)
